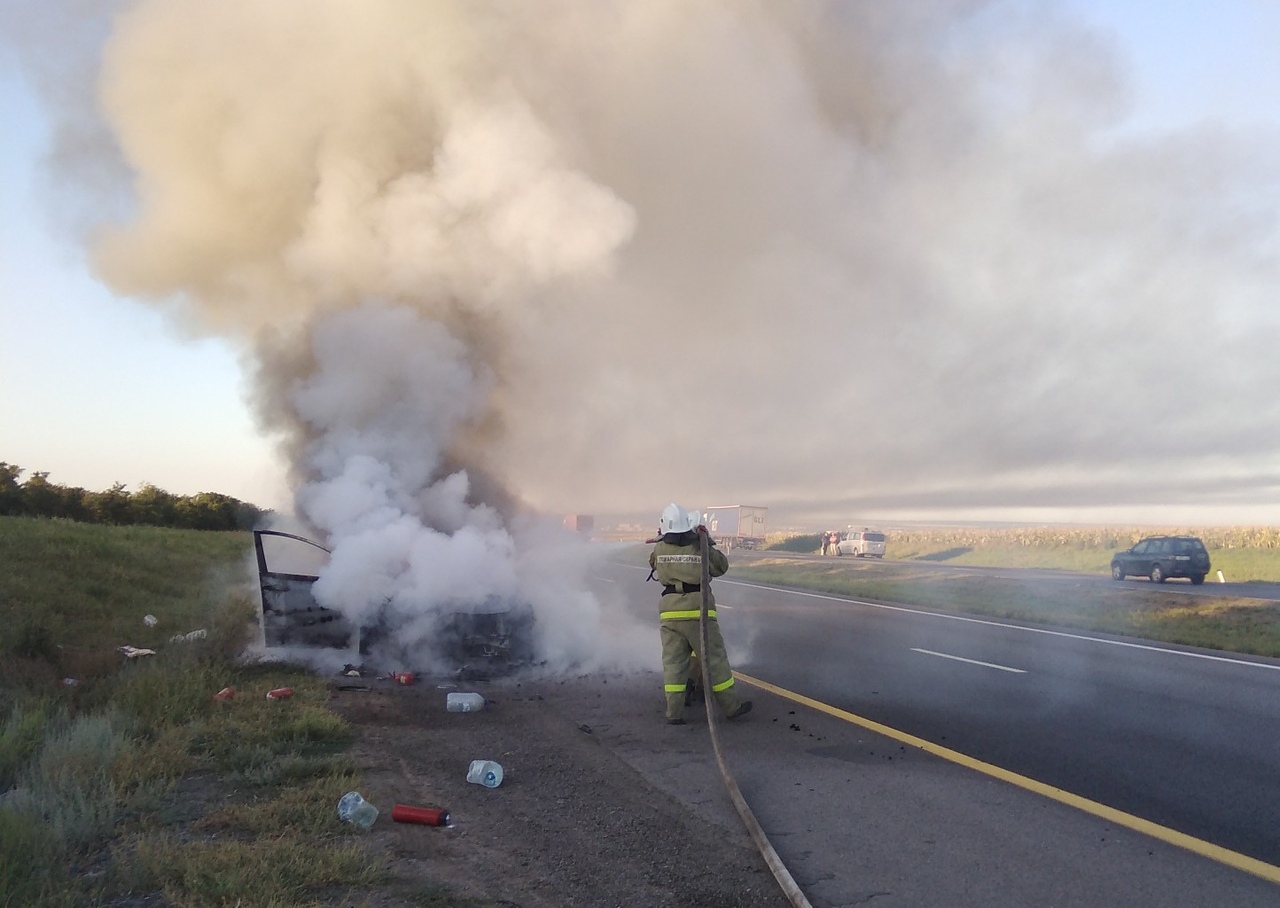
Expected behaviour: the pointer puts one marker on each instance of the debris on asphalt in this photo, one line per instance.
(464, 703)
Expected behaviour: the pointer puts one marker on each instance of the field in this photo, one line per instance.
(1243, 554)
(105, 759)
(1240, 624)
(123, 775)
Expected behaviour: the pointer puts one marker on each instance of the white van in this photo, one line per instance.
(861, 543)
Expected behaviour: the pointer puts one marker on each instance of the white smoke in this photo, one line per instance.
(592, 257)
(389, 392)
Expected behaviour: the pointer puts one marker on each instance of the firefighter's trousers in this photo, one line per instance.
(680, 639)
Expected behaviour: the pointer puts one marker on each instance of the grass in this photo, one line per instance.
(68, 587)
(122, 778)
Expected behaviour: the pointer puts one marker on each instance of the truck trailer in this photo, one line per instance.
(737, 525)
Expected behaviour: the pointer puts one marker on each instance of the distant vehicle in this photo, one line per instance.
(861, 544)
(1162, 557)
(580, 523)
(737, 525)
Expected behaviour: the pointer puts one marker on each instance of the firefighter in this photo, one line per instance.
(676, 561)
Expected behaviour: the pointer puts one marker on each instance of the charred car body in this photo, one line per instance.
(493, 637)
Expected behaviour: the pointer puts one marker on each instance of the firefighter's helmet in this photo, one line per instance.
(676, 519)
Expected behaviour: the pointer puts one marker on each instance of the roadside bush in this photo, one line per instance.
(67, 783)
(20, 739)
(160, 691)
(35, 638)
(25, 867)
(809, 542)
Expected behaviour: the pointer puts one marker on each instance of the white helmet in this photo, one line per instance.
(676, 519)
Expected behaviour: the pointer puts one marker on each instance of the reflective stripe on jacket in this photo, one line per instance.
(680, 566)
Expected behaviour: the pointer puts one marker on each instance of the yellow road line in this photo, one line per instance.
(1163, 833)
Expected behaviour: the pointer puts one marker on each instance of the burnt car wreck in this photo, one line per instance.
(489, 638)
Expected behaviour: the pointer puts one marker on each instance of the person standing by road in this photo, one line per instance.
(676, 561)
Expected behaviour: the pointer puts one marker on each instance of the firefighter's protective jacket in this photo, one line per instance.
(676, 560)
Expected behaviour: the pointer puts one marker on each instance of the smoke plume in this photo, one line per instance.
(495, 259)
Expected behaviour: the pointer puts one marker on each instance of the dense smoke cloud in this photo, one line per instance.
(826, 257)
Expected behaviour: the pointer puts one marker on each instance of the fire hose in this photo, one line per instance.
(780, 872)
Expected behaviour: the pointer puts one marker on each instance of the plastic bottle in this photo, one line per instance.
(464, 703)
(485, 772)
(353, 808)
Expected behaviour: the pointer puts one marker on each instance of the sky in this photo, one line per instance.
(937, 261)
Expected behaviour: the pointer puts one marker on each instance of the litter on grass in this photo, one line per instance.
(133, 652)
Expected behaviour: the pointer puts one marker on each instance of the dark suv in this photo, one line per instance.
(1161, 557)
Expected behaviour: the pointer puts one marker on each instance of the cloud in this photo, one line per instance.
(796, 255)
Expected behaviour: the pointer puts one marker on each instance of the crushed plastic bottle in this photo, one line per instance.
(485, 772)
(353, 808)
(464, 703)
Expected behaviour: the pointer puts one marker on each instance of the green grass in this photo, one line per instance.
(67, 588)
(133, 780)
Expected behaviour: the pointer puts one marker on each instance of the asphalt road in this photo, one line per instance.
(1010, 765)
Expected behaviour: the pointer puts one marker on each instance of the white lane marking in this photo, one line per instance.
(604, 579)
(1003, 668)
(1013, 627)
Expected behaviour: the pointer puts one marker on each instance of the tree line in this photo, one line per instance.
(36, 496)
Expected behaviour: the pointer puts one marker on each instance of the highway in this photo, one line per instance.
(1181, 745)
(1185, 739)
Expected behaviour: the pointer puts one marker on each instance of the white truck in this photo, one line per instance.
(737, 525)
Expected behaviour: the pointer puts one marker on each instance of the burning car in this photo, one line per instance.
(492, 637)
